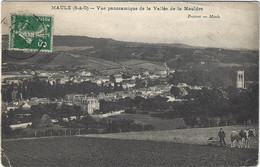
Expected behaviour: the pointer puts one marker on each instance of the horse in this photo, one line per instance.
(243, 137)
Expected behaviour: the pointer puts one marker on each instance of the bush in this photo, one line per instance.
(130, 111)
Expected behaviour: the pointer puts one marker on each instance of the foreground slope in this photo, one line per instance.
(81, 151)
(189, 136)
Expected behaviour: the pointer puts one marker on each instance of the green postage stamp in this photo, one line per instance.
(31, 33)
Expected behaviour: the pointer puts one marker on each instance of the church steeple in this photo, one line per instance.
(240, 79)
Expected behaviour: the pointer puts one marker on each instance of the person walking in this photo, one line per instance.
(222, 135)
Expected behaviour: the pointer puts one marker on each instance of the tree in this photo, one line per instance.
(175, 91)
(6, 130)
(138, 101)
(112, 78)
(125, 76)
(139, 83)
(11, 114)
(77, 111)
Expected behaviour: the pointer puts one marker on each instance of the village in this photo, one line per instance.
(146, 84)
(67, 97)
(99, 93)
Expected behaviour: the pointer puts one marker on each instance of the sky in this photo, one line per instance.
(237, 27)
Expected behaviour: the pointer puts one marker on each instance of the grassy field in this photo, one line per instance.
(69, 48)
(140, 64)
(82, 151)
(76, 59)
(157, 123)
(191, 136)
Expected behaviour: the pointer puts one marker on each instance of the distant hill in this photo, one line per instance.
(102, 53)
(69, 59)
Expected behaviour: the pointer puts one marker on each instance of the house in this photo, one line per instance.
(146, 73)
(26, 106)
(33, 73)
(74, 98)
(63, 80)
(54, 120)
(104, 79)
(101, 80)
(32, 102)
(73, 117)
(182, 85)
(171, 71)
(12, 81)
(78, 80)
(44, 100)
(153, 76)
(173, 99)
(101, 95)
(12, 108)
(65, 119)
(155, 89)
(86, 73)
(162, 72)
(107, 97)
(20, 126)
(131, 84)
(24, 72)
(43, 74)
(196, 87)
(87, 78)
(52, 82)
(34, 99)
(89, 105)
(134, 77)
(160, 89)
(109, 83)
(71, 78)
(118, 78)
(98, 82)
(127, 85)
(124, 86)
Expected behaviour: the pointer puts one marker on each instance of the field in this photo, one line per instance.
(140, 64)
(75, 59)
(190, 136)
(69, 48)
(157, 123)
(82, 151)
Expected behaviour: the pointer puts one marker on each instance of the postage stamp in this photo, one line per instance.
(31, 33)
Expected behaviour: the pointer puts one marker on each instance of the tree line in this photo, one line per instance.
(39, 88)
(206, 107)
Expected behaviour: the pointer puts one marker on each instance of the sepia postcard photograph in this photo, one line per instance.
(121, 84)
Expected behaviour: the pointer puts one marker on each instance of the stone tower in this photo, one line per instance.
(240, 79)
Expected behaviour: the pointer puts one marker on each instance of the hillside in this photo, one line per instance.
(61, 59)
(189, 136)
(81, 151)
(101, 53)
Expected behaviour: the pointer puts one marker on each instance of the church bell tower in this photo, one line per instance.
(240, 79)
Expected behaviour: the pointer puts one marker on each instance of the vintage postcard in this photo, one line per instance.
(129, 83)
